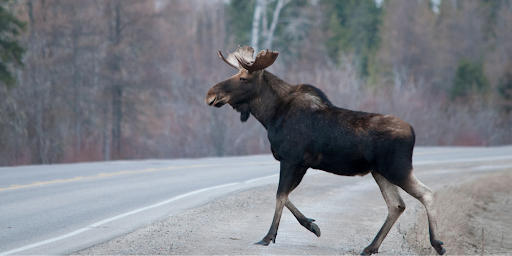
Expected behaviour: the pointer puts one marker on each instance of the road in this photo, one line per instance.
(60, 209)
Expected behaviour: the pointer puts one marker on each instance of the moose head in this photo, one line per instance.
(238, 90)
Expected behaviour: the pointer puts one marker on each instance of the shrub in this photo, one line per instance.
(505, 91)
(469, 79)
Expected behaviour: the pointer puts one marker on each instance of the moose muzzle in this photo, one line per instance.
(210, 99)
(215, 99)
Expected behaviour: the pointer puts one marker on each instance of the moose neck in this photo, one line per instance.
(271, 93)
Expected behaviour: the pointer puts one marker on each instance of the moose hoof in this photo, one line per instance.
(369, 251)
(315, 229)
(262, 243)
(309, 225)
(266, 241)
(438, 246)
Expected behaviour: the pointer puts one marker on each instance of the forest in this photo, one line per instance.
(99, 80)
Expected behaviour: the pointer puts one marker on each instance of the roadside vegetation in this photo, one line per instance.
(126, 79)
(474, 218)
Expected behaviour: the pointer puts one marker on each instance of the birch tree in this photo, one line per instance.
(260, 19)
(269, 38)
(256, 23)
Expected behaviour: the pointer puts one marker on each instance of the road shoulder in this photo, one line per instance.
(349, 211)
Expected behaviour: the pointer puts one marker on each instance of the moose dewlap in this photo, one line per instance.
(306, 130)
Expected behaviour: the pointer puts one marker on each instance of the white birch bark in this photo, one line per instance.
(256, 24)
(275, 18)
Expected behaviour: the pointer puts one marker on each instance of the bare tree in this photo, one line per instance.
(255, 34)
(260, 19)
(275, 18)
(126, 78)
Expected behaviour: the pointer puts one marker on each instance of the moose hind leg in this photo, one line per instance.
(395, 208)
(421, 192)
(303, 220)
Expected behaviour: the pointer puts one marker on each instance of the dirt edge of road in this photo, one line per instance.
(474, 218)
(231, 225)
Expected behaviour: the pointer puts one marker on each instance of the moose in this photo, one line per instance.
(306, 130)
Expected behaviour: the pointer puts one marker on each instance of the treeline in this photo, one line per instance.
(126, 79)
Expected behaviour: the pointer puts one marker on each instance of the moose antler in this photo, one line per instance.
(243, 58)
(263, 60)
(244, 53)
(231, 60)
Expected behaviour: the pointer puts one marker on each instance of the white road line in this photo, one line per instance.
(462, 160)
(262, 178)
(492, 167)
(97, 224)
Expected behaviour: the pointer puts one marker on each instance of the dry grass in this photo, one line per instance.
(474, 218)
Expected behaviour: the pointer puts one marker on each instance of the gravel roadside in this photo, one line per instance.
(349, 212)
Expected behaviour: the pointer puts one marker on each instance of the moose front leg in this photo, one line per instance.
(272, 233)
(289, 178)
(303, 220)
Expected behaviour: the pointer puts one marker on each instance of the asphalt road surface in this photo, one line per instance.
(60, 209)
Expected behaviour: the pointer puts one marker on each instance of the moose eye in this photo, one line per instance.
(243, 79)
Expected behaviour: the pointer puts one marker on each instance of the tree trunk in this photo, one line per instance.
(275, 18)
(76, 91)
(117, 117)
(117, 89)
(256, 24)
